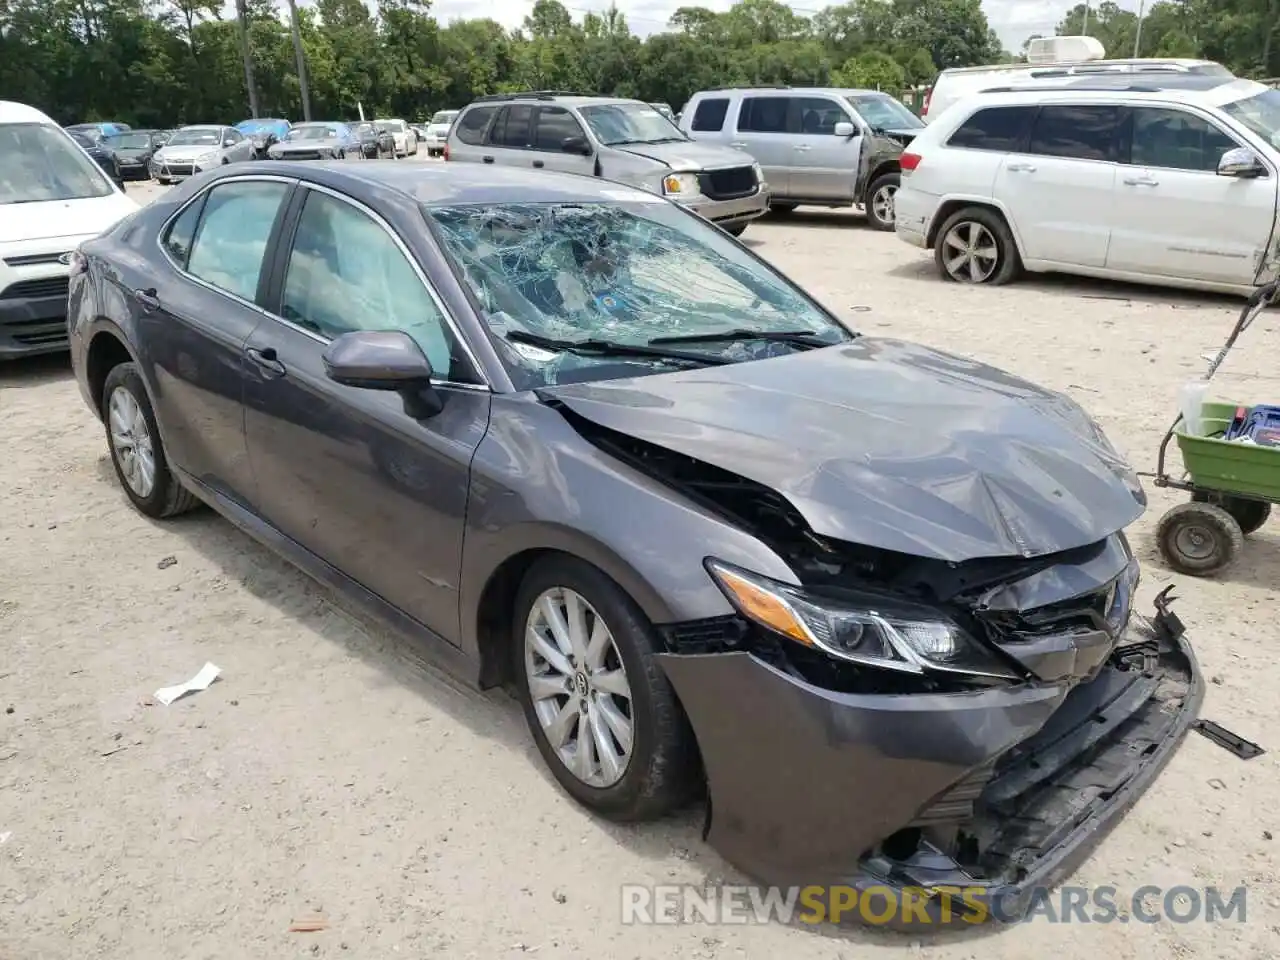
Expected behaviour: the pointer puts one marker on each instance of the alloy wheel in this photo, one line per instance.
(578, 686)
(970, 253)
(131, 442)
(882, 203)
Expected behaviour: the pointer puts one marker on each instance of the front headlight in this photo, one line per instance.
(680, 185)
(206, 158)
(875, 631)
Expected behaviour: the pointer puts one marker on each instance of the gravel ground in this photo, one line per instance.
(329, 773)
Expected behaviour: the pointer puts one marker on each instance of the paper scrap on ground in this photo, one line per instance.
(4, 837)
(208, 673)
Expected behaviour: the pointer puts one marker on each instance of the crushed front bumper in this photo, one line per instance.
(812, 787)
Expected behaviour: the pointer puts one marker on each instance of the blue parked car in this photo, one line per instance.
(264, 131)
(98, 131)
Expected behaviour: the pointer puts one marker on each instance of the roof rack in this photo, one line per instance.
(752, 86)
(1075, 88)
(531, 95)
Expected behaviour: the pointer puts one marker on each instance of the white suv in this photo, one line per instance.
(1170, 181)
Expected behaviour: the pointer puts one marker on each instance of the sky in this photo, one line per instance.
(1013, 20)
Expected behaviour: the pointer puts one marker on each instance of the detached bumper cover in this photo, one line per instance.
(805, 783)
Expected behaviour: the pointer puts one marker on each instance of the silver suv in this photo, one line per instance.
(830, 147)
(623, 140)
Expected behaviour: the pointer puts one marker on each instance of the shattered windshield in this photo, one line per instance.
(884, 113)
(619, 123)
(622, 277)
(1260, 113)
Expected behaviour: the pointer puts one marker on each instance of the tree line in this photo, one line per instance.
(159, 63)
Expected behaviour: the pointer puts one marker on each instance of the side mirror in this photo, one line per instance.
(385, 360)
(1240, 162)
(228, 142)
(844, 129)
(576, 145)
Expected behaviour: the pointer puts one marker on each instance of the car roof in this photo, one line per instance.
(1205, 91)
(560, 99)
(797, 91)
(1014, 67)
(450, 183)
(202, 126)
(11, 112)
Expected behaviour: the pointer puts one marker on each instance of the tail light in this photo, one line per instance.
(78, 264)
(445, 154)
(924, 108)
(908, 162)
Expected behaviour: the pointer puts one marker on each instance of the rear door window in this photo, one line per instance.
(473, 123)
(511, 129)
(1076, 132)
(708, 117)
(231, 241)
(1000, 129)
(764, 114)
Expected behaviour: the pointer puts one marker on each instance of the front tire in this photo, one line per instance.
(1199, 539)
(880, 198)
(602, 712)
(782, 209)
(737, 230)
(137, 452)
(974, 245)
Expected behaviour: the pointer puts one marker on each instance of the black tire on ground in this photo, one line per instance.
(782, 209)
(1199, 539)
(1250, 514)
(1008, 264)
(736, 230)
(663, 771)
(168, 496)
(876, 217)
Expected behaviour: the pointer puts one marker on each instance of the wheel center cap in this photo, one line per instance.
(581, 684)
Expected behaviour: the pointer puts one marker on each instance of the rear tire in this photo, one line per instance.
(661, 768)
(1199, 539)
(974, 245)
(137, 451)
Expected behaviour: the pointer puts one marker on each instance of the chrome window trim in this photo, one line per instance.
(319, 338)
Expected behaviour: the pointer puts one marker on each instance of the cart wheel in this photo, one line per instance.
(1250, 514)
(1199, 539)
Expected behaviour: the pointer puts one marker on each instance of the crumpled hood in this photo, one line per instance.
(890, 444)
(690, 155)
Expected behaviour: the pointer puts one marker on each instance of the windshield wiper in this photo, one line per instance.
(796, 338)
(610, 348)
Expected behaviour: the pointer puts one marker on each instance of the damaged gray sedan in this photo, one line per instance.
(873, 601)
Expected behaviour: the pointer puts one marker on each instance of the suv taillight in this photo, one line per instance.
(924, 108)
(445, 153)
(908, 162)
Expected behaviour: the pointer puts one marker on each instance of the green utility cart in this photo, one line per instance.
(1232, 484)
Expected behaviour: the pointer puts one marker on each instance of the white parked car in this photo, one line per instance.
(200, 147)
(52, 197)
(405, 139)
(1172, 183)
(438, 131)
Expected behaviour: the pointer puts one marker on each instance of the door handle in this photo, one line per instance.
(1141, 182)
(266, 359)
(538, 163)
(802, 146)
(738, 145)
(487, 159)
(1021, 168)
(147, 297)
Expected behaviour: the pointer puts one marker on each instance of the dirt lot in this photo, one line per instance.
(329, 773)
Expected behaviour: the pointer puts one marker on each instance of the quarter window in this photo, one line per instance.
(346, 273)
(554, 126)
(177, 240)
(708, 117)
(1001, 129)
(764, 114)
(1176, 140)
(231, 240)
(473, 123)
(1076, 132)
